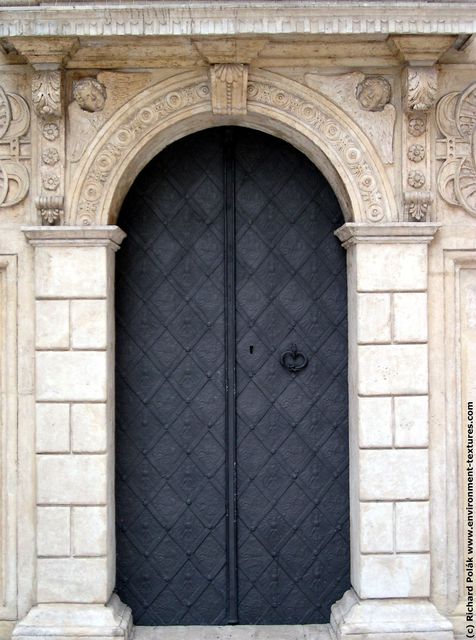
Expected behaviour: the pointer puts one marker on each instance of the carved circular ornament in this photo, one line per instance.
(50, 181)
(416, 153)
(416, 125)
(50, 131)
(416, 179)
(50, 156)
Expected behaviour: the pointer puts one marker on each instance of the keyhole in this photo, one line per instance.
(251, 348)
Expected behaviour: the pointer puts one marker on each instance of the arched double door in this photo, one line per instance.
(231, 387)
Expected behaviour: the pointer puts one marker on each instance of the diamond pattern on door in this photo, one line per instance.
(173, 439)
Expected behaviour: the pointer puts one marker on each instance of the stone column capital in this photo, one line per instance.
(390, 233)
(109, 236)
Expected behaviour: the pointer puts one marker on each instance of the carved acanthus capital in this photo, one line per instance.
(419, 88)
(46, 93)
(229, 83)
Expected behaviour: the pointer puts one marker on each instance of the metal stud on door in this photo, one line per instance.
(232, 499)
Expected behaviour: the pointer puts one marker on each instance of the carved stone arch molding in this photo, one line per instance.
(181, 105)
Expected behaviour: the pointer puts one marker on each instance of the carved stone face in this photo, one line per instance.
(373, 93)
(90, 94)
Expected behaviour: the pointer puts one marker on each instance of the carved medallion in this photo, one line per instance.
(344, 89)
(373, 93)
(90, 94)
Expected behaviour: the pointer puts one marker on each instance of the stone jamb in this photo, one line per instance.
(453, 276)
(389, 435)
(75, 577)
(8, 439)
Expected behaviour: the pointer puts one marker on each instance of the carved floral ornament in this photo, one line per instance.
(292, 104)
(456, 119)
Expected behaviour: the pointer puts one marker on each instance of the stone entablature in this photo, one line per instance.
(394, 135)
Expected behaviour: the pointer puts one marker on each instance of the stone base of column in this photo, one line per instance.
(398, 619)
(77, 620)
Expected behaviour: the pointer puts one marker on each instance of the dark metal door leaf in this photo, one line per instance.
(231, 387)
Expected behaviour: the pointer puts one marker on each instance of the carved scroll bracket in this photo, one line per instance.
(229, 83)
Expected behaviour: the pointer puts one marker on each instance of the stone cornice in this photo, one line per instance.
(95, 236)
(199, 18)
(387, 233)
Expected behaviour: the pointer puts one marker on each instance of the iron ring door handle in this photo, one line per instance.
(294, 360)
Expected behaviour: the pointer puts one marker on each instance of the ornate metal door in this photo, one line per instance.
(231, 387)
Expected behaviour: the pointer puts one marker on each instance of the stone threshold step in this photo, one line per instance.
(236, 632)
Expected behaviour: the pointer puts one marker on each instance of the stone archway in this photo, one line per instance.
(181, 105)
(388, 362)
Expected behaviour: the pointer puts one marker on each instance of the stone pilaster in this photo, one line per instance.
(74, 292)
(389, 475)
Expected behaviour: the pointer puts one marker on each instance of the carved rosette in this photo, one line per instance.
(419, 95)
(14, 148)
(456, 119)
(228, 84)
(48, 104)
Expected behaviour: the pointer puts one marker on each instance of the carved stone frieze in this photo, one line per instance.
(417, 204)
(46, 93)
(420, 86)
(456, 119)
(228, 84)
(351, 91)
(268, 98)
(14, 148)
